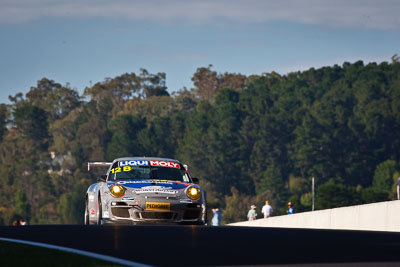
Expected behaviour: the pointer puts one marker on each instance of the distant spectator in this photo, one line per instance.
(398, 188)
(252, 214)
(15, 223)
(217, 217)
(267, 210)
(22, 222)
(290, 209)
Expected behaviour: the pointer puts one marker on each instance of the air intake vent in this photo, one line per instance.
(120, 212)
(157, 215)
(191, 214)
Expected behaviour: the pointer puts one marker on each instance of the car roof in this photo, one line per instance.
(146, 158)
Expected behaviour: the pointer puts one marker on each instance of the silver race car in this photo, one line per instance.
(141, 189)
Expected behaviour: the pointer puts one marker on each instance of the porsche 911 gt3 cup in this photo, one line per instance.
(141, 189)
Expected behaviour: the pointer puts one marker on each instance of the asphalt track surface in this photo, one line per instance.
(176, 245)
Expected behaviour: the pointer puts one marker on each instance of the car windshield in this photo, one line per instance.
(161, 170)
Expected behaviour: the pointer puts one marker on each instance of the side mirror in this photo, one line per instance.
(102, 178)
(195, 180)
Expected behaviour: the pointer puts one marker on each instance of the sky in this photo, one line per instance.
(81, 42)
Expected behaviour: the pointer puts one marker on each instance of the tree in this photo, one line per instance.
(237, 206)
(386, 174)
(374, 194)
(266, 130)
(212, 143)
(120, 88)
(3, 121)
(185, 101)
(273, 183)
(153, 84)
(151, 108)
(272, 180)
(22, 207)
(157, 139)
(192, 148)
(71, 207)
(208, 83)
(32, 122)
(128, 86)
(58, 101)
(205, 82)
(334, 194)
(91, 133)
(63, 132)
(124, 141)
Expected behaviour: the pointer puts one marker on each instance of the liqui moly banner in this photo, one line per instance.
(155, 163)
(160, 163)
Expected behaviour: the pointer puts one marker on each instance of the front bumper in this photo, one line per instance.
(177, 212)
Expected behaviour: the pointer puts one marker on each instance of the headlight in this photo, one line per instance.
(193, 193)
(117, 190)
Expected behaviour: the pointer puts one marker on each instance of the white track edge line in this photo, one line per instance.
(77, 251)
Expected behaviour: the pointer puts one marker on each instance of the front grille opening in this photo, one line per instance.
(150, 215)
(120, 212)
(191, 214)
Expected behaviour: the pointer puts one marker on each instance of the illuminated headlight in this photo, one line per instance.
(193, 193)
(117, 190)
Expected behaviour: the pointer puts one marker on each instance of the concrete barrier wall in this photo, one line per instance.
(382, 216)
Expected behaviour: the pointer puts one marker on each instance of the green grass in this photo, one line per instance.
(14, 254)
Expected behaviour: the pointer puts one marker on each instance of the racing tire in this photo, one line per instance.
(206, 216)
(86, 221)
(99, 212)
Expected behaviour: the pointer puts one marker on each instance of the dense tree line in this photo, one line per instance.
(248, 138)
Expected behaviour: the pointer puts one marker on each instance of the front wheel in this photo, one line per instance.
(86, 222)
(204, 216)
(99, 211)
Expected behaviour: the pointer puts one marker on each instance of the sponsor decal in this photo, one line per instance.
(157, 206)
(91, 198)
(133, 163)
(151, 182)
(155, 190)
(126, 166)
(106, 214)
(137, 201)
(185, 201)
(160, 163)
(92, 211)
(121, 169)
(128, 198)
(156, 187)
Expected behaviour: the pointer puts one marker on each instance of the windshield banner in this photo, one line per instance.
(155, 163)
(133, 163)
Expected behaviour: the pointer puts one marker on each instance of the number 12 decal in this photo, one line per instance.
(119, 169)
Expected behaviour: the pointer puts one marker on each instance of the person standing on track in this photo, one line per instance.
(267, 210)
(290, 208)
(252, 214)
(217, 216)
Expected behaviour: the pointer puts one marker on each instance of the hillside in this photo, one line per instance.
(248, 138)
